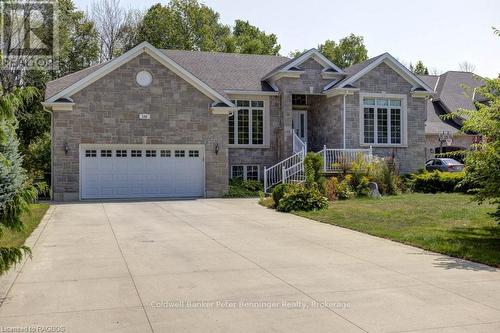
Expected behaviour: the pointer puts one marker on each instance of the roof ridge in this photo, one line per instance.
(228, 53)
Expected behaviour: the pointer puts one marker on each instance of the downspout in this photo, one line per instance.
(343, 123)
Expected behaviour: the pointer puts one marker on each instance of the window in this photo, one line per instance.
(299, 100)
(121, 153)
(382, 121)
(106, 153)
(150, 153)
(180, 153)
(237, 172)
(246, 172)
(90, 153)
(164, 153)
(136, 153)
(246, 125)
(194, 153)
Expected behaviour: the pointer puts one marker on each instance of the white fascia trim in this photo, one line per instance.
(396, 66)
(330, 75)
(288, 74)
(298, 61)
(223, 110)
(252, 92)
(59, 106)
(329, 85)
(313, 53)
(422, 94)
(131, 54)
(340, 91)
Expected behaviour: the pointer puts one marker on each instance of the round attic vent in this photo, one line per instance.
(144, 78)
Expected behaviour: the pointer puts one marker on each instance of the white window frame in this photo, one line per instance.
(265, 119)
(245, 166)
(404, 120)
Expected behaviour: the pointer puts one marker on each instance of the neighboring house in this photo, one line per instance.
(165, 123)
(454, 91)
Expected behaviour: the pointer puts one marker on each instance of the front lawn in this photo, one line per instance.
(444, 223)
(12, 238)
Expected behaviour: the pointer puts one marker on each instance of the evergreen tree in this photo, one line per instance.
(420, 68)
(16, 190)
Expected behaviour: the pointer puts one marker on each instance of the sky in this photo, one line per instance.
(441, 33)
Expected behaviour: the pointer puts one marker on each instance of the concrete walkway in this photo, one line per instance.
(233, 266)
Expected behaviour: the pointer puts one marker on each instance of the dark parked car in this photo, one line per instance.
(444, 164)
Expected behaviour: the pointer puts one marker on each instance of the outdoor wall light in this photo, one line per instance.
(216, 148)
(66, 148)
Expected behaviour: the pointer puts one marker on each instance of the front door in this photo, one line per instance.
(299, 124)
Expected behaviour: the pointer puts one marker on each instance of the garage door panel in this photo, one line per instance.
(113, 172)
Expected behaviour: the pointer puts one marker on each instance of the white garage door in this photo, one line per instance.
(141, 171)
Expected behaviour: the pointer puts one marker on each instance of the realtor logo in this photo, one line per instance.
(28, 33)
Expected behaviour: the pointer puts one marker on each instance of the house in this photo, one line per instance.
(454, 90)
(169, 123)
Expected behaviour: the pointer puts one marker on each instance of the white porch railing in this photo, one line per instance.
(288, 170)
(277, 173)
(336, 160)
(298, 144)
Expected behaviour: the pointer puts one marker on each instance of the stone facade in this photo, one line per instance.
(107, 112)
(325, 118)
(263, 157)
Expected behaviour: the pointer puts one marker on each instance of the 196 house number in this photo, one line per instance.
(144, 116)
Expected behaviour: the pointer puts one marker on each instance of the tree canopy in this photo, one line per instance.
(483, 163)
(419, 69)
(348, 51)
(184, 25)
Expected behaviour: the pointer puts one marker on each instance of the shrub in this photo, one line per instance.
(344, 189)
(280, 190)
(37, 158)
(385, 173)
(266, 201)
(331, 187)
(239, 188)
(302, 198)
(313, 166)
(360, 170)
(433, 182)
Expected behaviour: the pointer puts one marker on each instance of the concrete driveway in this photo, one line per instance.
(231, 265)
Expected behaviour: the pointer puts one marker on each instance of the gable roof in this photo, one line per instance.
(357, 71)
(218, 71)
(451, 95)
(228, 71)
(144, 47)
(294, 64)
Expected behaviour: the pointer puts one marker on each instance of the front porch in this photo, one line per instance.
(291, 169)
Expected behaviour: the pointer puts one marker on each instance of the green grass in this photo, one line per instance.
(444, 223)
(13, 238)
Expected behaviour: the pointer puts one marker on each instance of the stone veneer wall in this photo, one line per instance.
(288, 86)
(385, 79)
(263, 156)
(106, 112)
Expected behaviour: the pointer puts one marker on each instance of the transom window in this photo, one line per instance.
(299, 100)
(245, 172)
(121, 153)
(180, 153)
(90, 153)
(246, 125)
(382, 121)
(194, 153)
(136, 153)
(106, 153)
(150, 153)
(164, 153)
